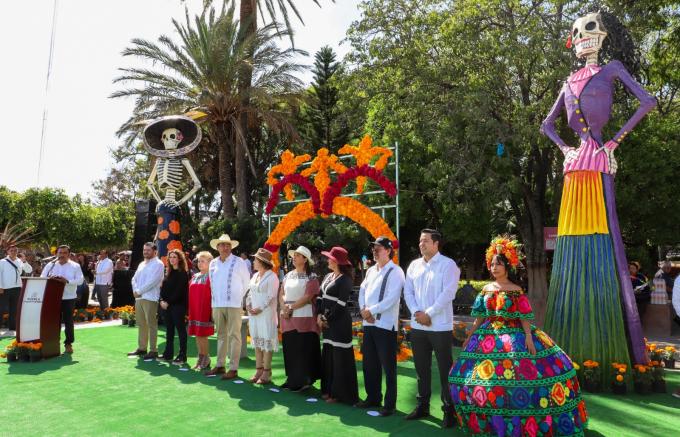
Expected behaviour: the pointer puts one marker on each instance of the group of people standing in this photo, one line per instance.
(313, 314)
(509, 375)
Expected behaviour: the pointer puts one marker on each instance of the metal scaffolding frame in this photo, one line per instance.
(382, 208)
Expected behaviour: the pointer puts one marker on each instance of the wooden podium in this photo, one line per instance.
(39, 313)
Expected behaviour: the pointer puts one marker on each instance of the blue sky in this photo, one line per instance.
(82, 120)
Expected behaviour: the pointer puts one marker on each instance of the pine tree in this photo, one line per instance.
(322, 124)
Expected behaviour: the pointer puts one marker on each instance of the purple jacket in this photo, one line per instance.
(588, 111)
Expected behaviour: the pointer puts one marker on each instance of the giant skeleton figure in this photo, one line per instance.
(591, 306)
(170, 138)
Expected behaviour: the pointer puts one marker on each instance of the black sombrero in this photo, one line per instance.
(191, 135)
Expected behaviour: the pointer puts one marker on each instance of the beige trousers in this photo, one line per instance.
(228, 325)
(145, 313)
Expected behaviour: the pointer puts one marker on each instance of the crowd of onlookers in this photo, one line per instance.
(643, 287)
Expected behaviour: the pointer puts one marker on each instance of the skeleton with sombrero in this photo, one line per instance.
(169, 139)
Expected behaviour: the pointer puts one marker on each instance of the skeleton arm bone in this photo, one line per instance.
(194, 178)
(150, 182)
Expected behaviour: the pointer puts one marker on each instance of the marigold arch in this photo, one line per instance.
(342, 206)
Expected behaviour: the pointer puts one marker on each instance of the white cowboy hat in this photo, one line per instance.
(224, 238)
(302, 250)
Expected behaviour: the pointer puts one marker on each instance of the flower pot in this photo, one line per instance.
(659, 386)
(131, 323)
(643, 388)
(25, 357)
(619, 389)
(35, 358)
(11, 357)
(125, 321)
(591, 386)
(669, 364)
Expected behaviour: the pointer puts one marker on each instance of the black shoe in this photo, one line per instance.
(299, 389)
(419, 413)
(165, 357)
(180, 360)
(150, 356)
(285, 386)
(384, 412)
(136, 353)
(449, 418)
(367, 404)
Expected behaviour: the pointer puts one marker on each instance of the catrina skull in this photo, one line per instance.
(587, 35)
(171, 138)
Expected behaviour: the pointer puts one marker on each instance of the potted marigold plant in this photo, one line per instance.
(11, 352)
(459, 333)
(35, 351)
(668, 356)
(619, 379)
(658, 378)
(642, 379)
(23, 351)
(132, 321)
(124, 315)
(592, 376)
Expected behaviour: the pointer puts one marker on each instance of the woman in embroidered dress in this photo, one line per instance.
(262, 323)
(510, 378)
(200, 310)
(339, 373)
(301, 347)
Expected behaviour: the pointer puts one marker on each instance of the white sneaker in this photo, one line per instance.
(676, 394)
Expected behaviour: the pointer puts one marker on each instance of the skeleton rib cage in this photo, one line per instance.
(169, 173)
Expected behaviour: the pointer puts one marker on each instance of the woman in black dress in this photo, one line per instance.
(174, 298)
(339, 374)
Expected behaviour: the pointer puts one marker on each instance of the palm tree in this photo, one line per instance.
(203, 73)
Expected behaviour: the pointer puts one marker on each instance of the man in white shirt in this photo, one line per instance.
(103, 279)
(676, 307)
(229, 280)
(249, 263)
(429, 291)
(379, 302)
(11, 269)
(146, 287)
(69, 272)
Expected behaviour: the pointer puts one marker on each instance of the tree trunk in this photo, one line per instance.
(531, 229)
(248, 21)
(225, 171)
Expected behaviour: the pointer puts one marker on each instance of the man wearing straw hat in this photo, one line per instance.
(229, 278)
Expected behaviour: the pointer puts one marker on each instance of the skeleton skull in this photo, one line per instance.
(171, 138)
(587, 35)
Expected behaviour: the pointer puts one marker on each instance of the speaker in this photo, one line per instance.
(145, 229)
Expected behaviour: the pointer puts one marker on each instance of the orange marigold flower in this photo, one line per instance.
(619, 378)
(175, 244)
(163, 235)
(174, 227)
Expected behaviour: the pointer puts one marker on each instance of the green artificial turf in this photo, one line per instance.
(99, 391)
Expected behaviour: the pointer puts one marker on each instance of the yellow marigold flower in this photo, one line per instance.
(619, 378)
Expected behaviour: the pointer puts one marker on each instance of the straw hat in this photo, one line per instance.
(224, 238)
(265, 256)
(302, 250)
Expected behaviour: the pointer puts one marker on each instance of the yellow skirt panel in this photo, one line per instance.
(583, 210)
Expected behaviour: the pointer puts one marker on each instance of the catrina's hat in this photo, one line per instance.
(191, 135)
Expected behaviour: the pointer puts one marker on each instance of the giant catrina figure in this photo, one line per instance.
(591, 302)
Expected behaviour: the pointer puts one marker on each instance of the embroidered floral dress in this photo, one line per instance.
(499, 388)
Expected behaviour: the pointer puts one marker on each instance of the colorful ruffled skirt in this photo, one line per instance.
(591, 306)
(498, 388)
